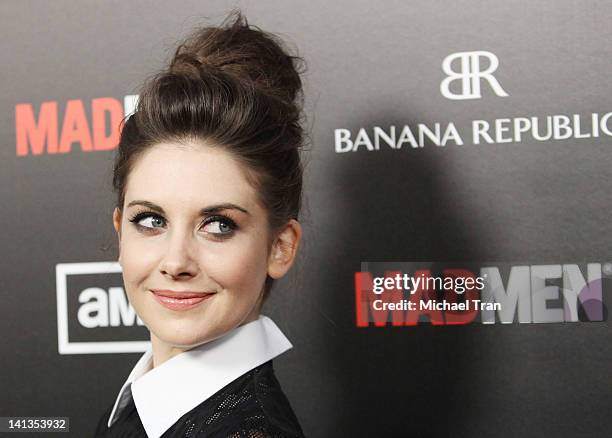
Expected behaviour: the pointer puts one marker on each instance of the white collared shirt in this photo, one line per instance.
(165, 393)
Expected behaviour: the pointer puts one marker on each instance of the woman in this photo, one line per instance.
(209, 179)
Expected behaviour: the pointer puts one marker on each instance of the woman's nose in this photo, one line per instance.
(178, 258)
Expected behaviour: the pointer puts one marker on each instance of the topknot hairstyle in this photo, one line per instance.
(235, 87)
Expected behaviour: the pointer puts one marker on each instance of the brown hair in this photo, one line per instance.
(237, 88)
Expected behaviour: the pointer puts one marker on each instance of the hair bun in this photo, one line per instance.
(244, 52)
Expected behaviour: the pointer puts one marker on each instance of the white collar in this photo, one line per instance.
(165, 393)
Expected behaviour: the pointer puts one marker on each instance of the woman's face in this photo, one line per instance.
(191, 222)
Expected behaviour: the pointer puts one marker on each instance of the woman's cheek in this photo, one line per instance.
(240, 267)
(138, 262)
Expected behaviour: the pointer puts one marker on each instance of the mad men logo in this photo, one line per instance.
(50, 129)
(408, 294)
(468, 71)
(93, 312)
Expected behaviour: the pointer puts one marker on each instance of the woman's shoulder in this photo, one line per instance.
(273, 402)
(254, 405)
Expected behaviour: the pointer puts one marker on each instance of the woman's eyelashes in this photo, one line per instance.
(151, 219)
(220, 225)
(217, 225)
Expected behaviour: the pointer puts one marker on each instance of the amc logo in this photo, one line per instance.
(93, 312)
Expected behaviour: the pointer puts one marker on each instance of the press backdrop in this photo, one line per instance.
(69, 69)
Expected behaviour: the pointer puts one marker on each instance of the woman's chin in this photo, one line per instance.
(184, 335)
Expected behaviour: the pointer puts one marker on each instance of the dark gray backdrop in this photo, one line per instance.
(370, 64)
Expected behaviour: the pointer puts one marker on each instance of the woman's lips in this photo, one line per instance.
(180, 300)
(179, 294)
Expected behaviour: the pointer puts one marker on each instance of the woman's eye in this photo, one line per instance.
(149, 221)
(219, 226)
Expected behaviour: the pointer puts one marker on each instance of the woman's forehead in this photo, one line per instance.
(189, 174)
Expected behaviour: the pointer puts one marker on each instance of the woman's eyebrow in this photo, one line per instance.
(203, 212)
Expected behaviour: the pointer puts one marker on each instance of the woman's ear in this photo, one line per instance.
(284, 249)
(117, 225)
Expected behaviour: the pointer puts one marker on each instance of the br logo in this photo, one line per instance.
(469, 75)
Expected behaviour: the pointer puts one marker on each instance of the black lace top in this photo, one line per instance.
(253, 406)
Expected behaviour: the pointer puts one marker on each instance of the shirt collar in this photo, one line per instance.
(165, 393)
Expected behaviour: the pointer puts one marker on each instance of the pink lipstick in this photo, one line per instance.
(180, 300)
